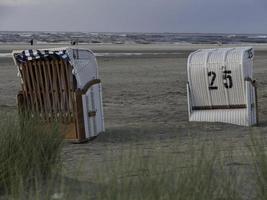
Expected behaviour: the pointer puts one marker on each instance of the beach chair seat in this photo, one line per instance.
(221, 87)
(62, 85)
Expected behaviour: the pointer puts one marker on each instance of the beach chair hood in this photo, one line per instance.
(83, 61)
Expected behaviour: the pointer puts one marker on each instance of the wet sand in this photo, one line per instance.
(145, 102)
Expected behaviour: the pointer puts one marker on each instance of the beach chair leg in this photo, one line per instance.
(20, 102)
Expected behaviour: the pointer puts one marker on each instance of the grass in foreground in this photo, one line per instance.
(258, 157)
(192, 172)
(29, 155)
(30, 163)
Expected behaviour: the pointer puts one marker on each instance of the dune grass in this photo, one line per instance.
(29, 154)
(191, 171)
(258, 158)
(31, 165)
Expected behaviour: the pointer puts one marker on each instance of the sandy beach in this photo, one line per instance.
(144, 97)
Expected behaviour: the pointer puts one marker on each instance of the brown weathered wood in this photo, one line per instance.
(42, 91)
(69, 131)
(59, 90)
(65, 92)
(52, 91)
(30, 89)
(47, 90)
(20, 102)
(55, 88)
(33, 89)
(62, 86)
(26, 98)
(25, 87)
(79, 116)
(68, 92)
(33, 79)
(38, 87)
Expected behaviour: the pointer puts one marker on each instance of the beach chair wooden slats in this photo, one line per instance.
(218, 90)
(67, 91)
(47, 89)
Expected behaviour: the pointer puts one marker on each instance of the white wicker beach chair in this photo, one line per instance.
(63, 85)
(221, 87)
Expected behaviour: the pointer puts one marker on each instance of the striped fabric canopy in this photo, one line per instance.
(27, 55)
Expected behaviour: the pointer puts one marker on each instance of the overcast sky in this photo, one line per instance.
(202, 16)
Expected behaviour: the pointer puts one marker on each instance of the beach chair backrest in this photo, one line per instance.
(220, 86)
(216, 77)
(62, 84)
(48, 87)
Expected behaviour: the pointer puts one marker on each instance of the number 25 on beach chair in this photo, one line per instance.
(62, 85)
(221, 87)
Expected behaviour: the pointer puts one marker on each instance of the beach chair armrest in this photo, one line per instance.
(90, 84)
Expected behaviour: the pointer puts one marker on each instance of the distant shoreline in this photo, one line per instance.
(128, 48)
(129, 38)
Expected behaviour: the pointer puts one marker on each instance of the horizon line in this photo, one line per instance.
(140, 32)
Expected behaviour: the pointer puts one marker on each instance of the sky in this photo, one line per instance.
(182, 16)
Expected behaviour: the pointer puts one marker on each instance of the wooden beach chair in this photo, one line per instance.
(62, 85)
(221, 87)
